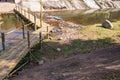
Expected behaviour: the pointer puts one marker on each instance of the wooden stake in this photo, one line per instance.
(40, 40)
(28, 13)
(47, 32)
(40, 13)
(28, 38)
(35, 22)
(3, 40)
(23, 29)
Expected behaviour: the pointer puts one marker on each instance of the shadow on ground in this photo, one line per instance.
(102, 61)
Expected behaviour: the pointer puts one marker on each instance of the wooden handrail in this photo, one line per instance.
(28, 14)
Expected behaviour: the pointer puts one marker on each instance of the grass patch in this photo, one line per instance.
(95, 32)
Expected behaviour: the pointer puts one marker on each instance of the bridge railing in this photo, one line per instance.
(28, 14)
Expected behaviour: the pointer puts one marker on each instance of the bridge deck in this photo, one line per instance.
(11, 56)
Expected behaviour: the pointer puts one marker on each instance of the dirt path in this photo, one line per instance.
(101, 64)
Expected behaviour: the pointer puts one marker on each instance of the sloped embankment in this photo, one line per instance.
(71, 4)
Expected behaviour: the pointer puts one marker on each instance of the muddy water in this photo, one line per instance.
(9, 21)
(88, 17)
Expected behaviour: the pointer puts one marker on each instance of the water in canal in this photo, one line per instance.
(88, 17)
(9, 22)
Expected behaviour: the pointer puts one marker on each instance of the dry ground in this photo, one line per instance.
(101, 64)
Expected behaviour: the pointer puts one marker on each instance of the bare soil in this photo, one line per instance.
(101, 64)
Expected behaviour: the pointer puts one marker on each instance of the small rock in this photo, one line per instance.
(107, 24)
(60, 38)
(41, 62)
(44, 58)
(58, 30)
(58, 49)
(66, 31)
(53, 31)
(61, 27)
(53, 73)
(57, 18)
(50, 38)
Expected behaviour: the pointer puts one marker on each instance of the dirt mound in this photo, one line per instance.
(102, 64)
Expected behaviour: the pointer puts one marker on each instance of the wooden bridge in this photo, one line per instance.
(29, 15)
(11, 56)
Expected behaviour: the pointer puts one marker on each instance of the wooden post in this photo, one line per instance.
(47, 32)
(16, 16)
(28, 13)
(40, 13)
(35, 22)
(16, 6)
(28, 38)
(20, 18)
(47, 29)
(3, 40)
(20, 9)
(23, 29)
(24, 12)
(40, 40)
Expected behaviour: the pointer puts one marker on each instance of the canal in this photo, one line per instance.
(87, 17)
